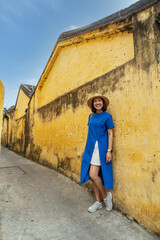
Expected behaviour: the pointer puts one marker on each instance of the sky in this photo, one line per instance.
(29, 30)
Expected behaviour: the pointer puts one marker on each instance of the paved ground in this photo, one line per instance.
(37, 203)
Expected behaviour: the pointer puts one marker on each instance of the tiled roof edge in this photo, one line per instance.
(26, 89)
(118, 16)
(8, 111)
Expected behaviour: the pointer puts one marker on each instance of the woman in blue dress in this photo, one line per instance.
(97, 157)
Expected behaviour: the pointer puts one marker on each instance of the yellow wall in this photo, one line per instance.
(18, 135)
(81, 62)
(17, 124)
(1, 107)
(21, 105)
(14, 125)
(4, 131)
(13, 133)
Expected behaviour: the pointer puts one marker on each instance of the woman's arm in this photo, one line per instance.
(110, 143)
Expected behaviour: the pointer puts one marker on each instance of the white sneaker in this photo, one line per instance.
(95, 207)
(108, 201)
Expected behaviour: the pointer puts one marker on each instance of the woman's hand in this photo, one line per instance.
(108, 157)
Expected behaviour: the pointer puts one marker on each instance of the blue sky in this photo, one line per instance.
(30, 29)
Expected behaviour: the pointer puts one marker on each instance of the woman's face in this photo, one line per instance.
(98, 103)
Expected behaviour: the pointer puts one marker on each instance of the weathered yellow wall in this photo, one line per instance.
(18, 135)
(22, 104)
(14, 125)
(4, 132)
(81, 62)
(62, 139)
(1, 108)
(13, 133)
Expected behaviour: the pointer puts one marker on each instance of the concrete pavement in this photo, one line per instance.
(37, 203)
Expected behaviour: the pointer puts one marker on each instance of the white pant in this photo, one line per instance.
(95, 156)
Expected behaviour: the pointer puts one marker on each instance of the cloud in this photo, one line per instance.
(54, 4)
(71, 27)
(7, 20)
(11, 8)
(130, 2)
(30, 5)
(35, 6)
(11, 11)
(30, 81)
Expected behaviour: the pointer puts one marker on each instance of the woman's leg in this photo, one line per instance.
(97, 181)
(97, 193)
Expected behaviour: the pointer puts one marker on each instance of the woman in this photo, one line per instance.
(96, 161)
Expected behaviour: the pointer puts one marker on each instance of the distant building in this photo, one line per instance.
(11, 126)
(6, 129)
(1, 107)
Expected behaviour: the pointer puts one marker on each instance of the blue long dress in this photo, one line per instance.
(98, 123)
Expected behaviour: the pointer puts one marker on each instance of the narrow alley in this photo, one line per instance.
(38, 203)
